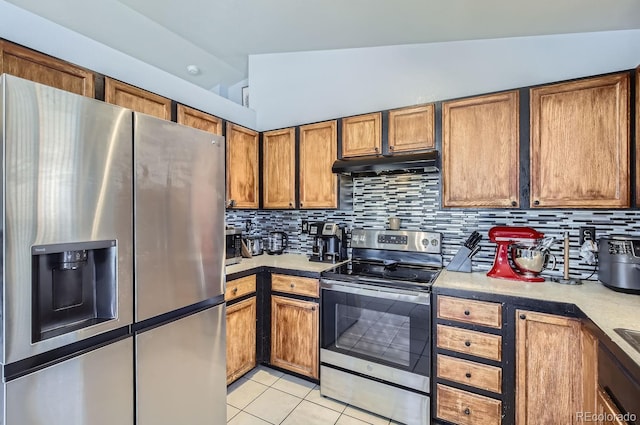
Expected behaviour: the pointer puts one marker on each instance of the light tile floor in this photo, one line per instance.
(266, 396)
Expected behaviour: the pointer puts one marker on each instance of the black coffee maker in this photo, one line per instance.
(329, 242)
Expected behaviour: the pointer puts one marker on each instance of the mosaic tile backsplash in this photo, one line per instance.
(415, 199)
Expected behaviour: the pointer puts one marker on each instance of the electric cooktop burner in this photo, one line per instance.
(383, 273)
(391, 258)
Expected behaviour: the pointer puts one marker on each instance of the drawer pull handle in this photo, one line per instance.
(293, 285)
(467, 312)
(467, 343)
(467, 411)
(235, 291)
(468, 374)
(313, 309)
(523, 316)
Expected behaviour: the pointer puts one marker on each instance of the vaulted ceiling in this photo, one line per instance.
(218, 35)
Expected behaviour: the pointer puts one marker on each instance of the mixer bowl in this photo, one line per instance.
(529, 259)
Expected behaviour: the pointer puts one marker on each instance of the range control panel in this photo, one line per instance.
(398, 240)
(394, 239)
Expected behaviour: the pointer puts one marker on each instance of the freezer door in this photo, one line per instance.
(94, 388)
(181, 371)
(179, 215)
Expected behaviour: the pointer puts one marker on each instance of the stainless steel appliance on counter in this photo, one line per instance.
(233, 246)
(375, 315)
(277, 242)
(67, 256)
(179, 279)
(619, 263)
(329, 242)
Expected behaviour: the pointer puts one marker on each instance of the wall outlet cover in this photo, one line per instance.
(587, 233)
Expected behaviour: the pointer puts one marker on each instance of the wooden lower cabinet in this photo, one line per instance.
(241, 338)
(548, 369)
(294, 335)
(465, 408)
(608, 412)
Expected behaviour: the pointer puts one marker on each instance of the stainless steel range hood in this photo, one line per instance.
(426, 162)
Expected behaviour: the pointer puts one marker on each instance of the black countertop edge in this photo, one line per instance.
(270, 269)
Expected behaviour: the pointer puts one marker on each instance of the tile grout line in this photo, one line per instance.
(341, 413)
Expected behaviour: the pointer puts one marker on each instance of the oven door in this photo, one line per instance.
(377, 331)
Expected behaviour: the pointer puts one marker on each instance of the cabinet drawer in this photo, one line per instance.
(305, 286)
(470, 373)
(465, 408)
(239, 287)
(470, 342)
(469, 311)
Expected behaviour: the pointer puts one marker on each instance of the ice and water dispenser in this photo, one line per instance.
(74, 285)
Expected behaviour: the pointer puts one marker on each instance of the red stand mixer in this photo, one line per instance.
(517, 257)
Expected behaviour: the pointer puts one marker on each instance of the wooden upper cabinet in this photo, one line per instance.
(145, 102)
(279, 168)
(412, 129)
(480, 151)
(242, 167)
(198, 119)
(31, 65)
(638, 135)
(362, 135)
(580, 143)
(318, 152)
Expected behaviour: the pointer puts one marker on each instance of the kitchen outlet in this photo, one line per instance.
(305, 226)
(587, 233)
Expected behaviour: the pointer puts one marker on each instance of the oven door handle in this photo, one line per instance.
(394, 294)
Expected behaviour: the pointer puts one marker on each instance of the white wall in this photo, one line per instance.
(37, 33)
(297, 88)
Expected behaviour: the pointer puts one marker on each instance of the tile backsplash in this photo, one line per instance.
(415, 199)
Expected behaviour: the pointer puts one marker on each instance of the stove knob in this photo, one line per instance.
(425, 242)
(434, 242)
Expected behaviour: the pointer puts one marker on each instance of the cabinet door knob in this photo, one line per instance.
(514, 203)
(301, 204)
(293, 285)
(376, 149)
(235, 291)
(467, 343)
(536, 202)
(467, 411)
(468, 374)
(290, 204)
(467, 312)
(313, 309)
(391, 147)
(523, 316)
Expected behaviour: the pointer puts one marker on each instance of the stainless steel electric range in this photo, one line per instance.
(376, 324)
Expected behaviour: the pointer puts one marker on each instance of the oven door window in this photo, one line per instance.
(391, 332)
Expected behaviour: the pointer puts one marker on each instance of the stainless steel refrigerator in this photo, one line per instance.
(112, 234)
(67, 258)
(180, 351)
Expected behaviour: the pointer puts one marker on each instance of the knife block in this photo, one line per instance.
(461, 262)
